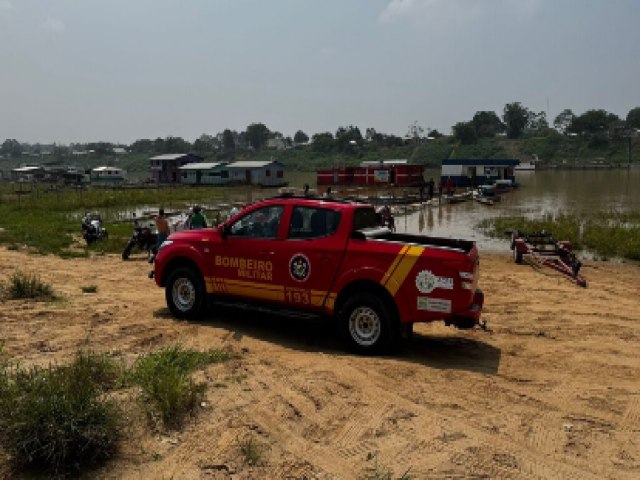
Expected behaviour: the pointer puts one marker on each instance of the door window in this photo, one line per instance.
(309, 222)
(260, 223)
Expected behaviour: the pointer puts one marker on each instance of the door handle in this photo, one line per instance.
(265, 252)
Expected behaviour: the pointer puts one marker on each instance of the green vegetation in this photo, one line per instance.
(57, 418)
(605, 234)
(49, 221)
(89, 288)
(168, 391)
(250, 449)
(63, 419)
(22, 285)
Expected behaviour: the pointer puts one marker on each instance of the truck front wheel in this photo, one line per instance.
(185, 293)
(366, 324)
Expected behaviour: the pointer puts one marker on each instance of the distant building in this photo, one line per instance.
(204, 173)
(396, 172)
(28, 173)
(467, 172)
(108, 174)
(277, 143)
(120, 151)
(267, 173)
(164, 168)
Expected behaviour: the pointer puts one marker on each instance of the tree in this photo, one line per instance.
(344, 136)
(323, 142)
(593, 121)
(516, 118)
(257, 135)
(537, 121)
(11, 147)
(487, 124)
(465, 133)
(434, 134)
(415, 132)
(228, 143)
(300, 137)
(563, 121)
(205, 143)
(633, 118)
(141, 146)
(176, 145)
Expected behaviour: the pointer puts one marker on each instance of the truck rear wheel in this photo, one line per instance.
(185, 293)
(366, 324)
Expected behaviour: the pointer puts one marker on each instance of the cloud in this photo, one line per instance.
(452, 10)
(5, 6)
(326, 51)
(53, 25)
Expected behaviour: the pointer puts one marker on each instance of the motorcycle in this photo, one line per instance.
(92, 229)
(142, 238)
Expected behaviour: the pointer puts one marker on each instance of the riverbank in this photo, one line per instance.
(551, 392)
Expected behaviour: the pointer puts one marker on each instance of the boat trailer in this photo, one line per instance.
(543, 249)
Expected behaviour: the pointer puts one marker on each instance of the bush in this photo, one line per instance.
(57, 418)
(22, 285)
(167, 388)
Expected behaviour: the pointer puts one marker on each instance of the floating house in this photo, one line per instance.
(28, 173)
(266, 173)
(469, 173)
(108, 174)
(373, 173)
(164, 168)
(204, 173)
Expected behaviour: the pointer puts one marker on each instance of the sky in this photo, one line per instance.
(121, 70)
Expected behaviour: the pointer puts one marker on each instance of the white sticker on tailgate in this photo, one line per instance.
(429, 304)
(427, 282)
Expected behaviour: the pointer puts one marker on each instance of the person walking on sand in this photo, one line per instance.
(162, 227)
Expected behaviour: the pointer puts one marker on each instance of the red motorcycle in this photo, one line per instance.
(143, 239)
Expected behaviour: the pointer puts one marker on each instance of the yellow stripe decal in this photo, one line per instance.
(394, 264)
(400, 274)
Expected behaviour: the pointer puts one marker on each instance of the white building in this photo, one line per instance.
(108, 174)
(269, 173)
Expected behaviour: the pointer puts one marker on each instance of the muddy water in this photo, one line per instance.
(540, 193)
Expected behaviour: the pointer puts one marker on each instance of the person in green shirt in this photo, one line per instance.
(197, 220)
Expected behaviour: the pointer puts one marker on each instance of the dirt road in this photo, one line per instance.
(552, 392)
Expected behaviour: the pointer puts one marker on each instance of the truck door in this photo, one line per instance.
(311, 254)
(246, 264)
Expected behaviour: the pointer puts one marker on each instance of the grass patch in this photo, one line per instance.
(23, 286)
(89, 288)
(168, 391)
(377, 472)
(57, 419)
(250, 449)
(605, 234)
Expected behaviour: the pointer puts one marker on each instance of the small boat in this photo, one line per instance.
(525, 166)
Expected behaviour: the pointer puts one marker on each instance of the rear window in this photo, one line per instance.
(364, 218)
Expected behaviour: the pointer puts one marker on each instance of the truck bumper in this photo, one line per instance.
(470, 317)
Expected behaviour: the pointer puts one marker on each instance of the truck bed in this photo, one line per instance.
(386, 235)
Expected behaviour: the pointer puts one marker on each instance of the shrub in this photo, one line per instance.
(251, 450)
(57, 418)
(89, 288)
(22, 285)
(167, 388)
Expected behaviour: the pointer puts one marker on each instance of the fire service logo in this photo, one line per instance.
(299, 267)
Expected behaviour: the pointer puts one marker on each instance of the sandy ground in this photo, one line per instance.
(552, 392)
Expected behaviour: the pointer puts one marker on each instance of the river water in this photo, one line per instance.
(541, 192)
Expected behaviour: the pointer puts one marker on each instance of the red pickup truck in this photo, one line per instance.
(326, 257)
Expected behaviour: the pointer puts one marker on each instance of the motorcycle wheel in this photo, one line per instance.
(127, 251)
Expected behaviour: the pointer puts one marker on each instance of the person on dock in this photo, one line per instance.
(422, 188)
(450, 186)
(430, 185)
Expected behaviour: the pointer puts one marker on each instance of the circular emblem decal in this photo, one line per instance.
(426, 281)
(299, 267)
